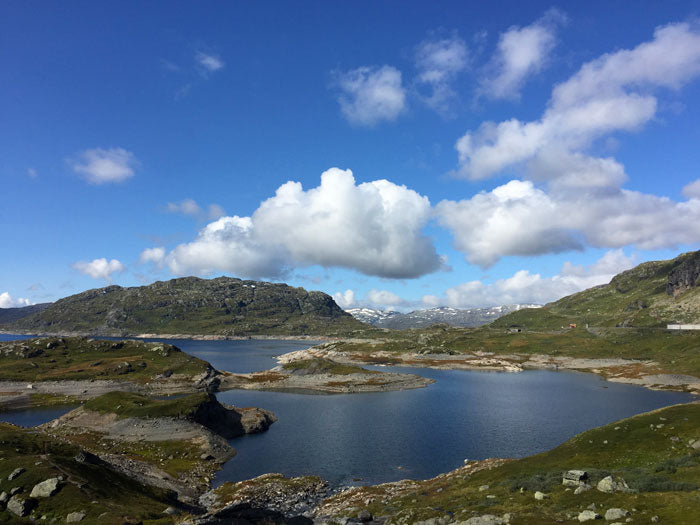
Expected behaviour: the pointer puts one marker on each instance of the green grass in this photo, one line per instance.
(325, 366)
(105, 495)
(656, 462)
(46, 359)
(125, 404)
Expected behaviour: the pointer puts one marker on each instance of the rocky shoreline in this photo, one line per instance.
(643, 373)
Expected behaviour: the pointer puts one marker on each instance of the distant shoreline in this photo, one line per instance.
(194, 337)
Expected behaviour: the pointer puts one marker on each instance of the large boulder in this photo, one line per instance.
(588, 515)
(46, 488)
(610, 486)
(616, 514)
(20, 505)
(574, 478)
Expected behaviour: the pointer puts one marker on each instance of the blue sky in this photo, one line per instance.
(394, 154)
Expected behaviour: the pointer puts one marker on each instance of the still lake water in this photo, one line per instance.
(387, 436)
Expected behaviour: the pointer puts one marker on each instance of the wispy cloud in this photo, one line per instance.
(102, 166)
(191, 208)
(209, 62)
(32, 173)
(524, 287)
(369, 95)
(521, 52)
(438, 61)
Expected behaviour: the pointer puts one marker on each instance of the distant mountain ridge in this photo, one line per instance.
(467, 318)
(9, 315)
(223, 306)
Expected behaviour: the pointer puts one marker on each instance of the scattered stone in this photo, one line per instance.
(582, 488)
(654, 519)
(75, 517)
(20, 506)
(610, 486)
(616, 514)
(364, 516)
(588, 515)
(45, 489)
(16, 490)
(4, 496)
(540, 495)
(486, 519)
(574, 478)
(15, 473)
(206, 457)
(171, 511)
(483, 488)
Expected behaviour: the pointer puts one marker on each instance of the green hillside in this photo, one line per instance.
(223, 306)
(652, 294)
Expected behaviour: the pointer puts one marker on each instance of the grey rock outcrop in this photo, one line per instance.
(684, 276)
(574, 478)
(487, 519)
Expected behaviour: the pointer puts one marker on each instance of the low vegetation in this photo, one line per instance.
(92, 487)
(77, 358)
(324, 366)
(125, 404)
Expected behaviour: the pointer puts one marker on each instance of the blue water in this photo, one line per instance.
(381, 437)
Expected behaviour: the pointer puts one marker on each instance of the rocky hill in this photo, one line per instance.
(652, 294)
(468, 318)
(9, 315)
(224, 306)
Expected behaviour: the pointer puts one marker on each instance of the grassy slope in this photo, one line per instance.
(223, 306)
(122, 499)
(325, 366)
(656, 461)
(46, 359)
(125, 404)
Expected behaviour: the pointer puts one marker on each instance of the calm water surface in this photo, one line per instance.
(380, 437)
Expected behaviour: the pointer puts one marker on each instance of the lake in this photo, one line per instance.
(387, 436)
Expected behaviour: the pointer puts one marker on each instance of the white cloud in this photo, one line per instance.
(438, 62)
(186, 207)
(191, 208)
(373, 227)
(611, 93)
(209, 62)
(525, 288)
(101, 166)
(370, 95)
(692, 190)
(521, 52)
(7, 301)
(521, 219)
(345, 300)
(99, 268)
(384, 298)
(154, 255)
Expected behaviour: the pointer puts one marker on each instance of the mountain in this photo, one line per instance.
(9, 315)
(224, 306)
(371, 315)
(652, 294)
(421, 318)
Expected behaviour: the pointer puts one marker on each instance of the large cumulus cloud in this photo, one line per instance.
(373, 227)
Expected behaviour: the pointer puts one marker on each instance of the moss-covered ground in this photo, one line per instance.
(126, 404)
(53, 358)
(325, 366)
